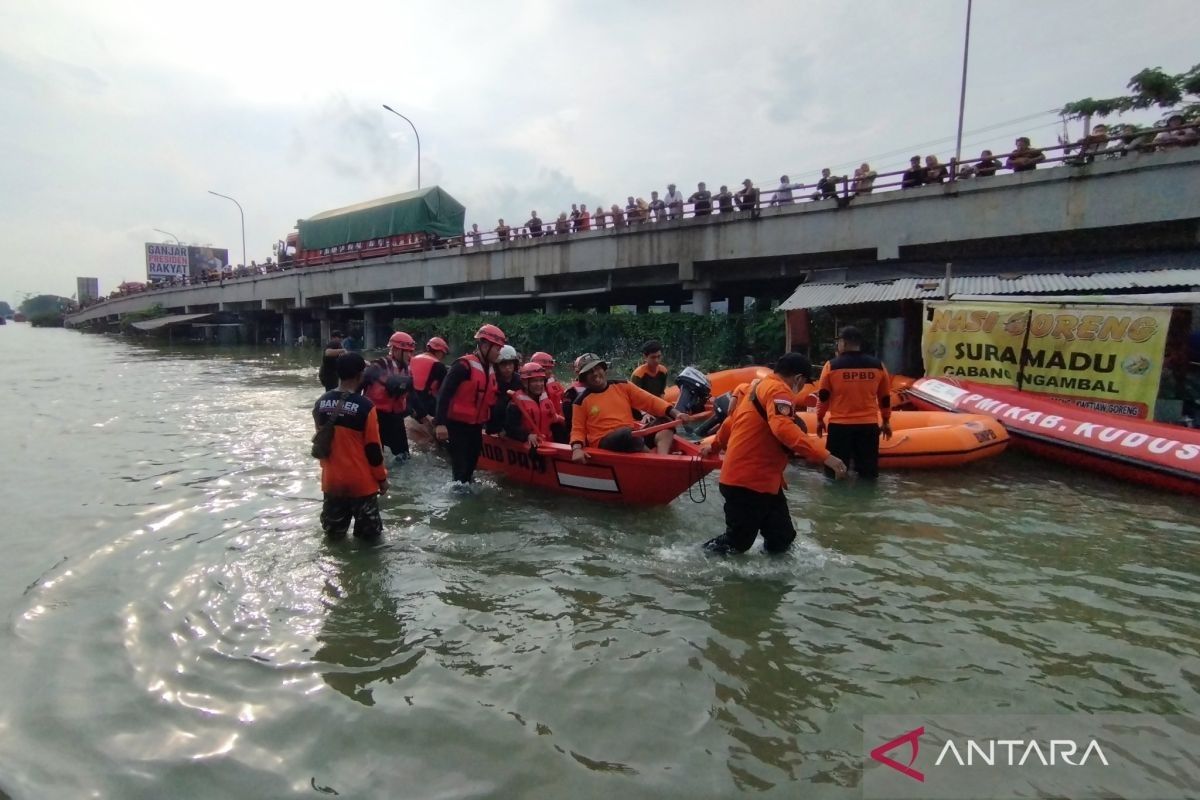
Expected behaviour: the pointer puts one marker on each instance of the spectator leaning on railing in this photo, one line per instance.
(701, 200)
(914, 176)
(674, 201)
(724, 200)
(657, 207)
(1176, 134)
(1025, 157)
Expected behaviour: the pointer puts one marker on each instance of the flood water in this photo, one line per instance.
(175, 625)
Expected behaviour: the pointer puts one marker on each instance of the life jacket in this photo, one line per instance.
(420, 367)
(555, 391)
(473, 400)
(538, 414)
(377, 392)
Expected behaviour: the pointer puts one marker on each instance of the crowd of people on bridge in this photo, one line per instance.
(922, 171)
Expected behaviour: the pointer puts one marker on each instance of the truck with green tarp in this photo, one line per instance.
(408, 222)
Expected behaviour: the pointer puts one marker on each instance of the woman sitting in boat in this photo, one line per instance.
(603, 412)
(531, 415)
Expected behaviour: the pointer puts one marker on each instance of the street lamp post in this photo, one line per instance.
(414, 127)
(243, 214)
(168, 233)
(962, 95)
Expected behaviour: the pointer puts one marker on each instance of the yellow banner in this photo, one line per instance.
(1107, 358)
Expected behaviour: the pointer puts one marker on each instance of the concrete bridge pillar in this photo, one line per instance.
(643, 308)
(370, 328)
(701, 301)
(289, 328)
(675, 306)
(737, 304)
(553, 305)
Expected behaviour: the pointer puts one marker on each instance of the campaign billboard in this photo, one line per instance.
(204, 259)
(86, 290)
(166, 261)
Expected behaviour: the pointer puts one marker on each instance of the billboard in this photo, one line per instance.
(167, 261)
(86, 290)
(1107, 358)
(203, 259)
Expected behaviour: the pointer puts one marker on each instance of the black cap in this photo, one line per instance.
(790, 365)
(651, 346)
(350, 365)
(851, 335)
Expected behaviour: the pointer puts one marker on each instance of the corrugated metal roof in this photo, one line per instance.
(162, 322)
(822, 295)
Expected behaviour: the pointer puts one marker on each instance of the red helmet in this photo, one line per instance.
(402, 340)
(437, 344)
(545, 359)
(490, 333)
(532, 370)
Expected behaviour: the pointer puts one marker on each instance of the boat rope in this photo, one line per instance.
(696, 468)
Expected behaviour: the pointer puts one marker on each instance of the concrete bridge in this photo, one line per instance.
(1140, 205)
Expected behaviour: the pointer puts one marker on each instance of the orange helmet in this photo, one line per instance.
(490, 333)
(402, 340)
(545, 359)
(532, 370)
(437, 344)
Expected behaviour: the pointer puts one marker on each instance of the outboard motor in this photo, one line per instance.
(694, 390)
(721, 407)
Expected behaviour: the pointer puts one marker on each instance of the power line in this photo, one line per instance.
(934, 142)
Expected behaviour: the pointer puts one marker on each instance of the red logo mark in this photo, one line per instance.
(913, 738)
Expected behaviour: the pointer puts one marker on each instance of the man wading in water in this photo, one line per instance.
(352, 471)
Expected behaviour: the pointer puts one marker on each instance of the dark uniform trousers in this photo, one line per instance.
(392, 433)
(338, 512)
(465, 445)
(749, 513)
(857, 444)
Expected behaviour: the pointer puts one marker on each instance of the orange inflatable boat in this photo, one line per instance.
(933, 439)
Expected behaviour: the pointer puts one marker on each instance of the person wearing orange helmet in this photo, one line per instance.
(388, 380)
(428, 372)
(465, 402)
(554, 389)
(531, 416)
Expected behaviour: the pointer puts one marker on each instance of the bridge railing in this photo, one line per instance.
(842, 189)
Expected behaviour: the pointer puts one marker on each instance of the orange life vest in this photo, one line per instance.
(473, 400)
(539, 414)
(420, 367)
(555, 391)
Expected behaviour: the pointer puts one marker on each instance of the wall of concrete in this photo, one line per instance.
(701, 259)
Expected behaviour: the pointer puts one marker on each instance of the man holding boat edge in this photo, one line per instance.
(759, 438)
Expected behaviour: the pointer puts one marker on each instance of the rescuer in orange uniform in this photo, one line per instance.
(651, 374)
(855, 391)
(531, 415)
(603, 412)
(353, 476)
(428, 372)
(387, 383)
(465, 402)
(758, 438)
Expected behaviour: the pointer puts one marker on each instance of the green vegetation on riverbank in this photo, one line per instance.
(709, 341)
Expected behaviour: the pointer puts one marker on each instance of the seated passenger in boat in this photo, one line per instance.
(531, 415)
(651, 374)
(603, 412)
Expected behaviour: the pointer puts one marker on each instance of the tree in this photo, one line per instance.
(5, 309)
(1149, 88)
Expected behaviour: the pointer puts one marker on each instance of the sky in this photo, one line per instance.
(119, 117)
